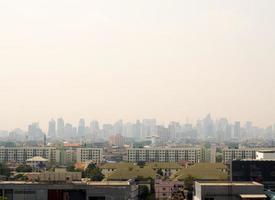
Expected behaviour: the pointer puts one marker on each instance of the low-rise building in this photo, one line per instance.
(165, 189)
(265, 155)
(37, 162)
(58, 176)
(229, 191)
(108, 190)
(168, 168)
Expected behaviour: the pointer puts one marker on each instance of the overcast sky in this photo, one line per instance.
(129, 59)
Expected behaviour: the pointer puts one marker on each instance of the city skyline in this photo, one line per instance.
(121, 59)
(84, 122)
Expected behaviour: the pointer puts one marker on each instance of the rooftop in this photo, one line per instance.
(132, 173)
(253, 196)
(204, 171)
(117, 165)
(95, 183)
(214, 183)
(37, 159)
(164, 165)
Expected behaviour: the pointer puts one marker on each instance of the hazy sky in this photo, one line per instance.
(128, 59)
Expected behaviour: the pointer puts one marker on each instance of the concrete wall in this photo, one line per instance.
(230, 192)
(37, 191)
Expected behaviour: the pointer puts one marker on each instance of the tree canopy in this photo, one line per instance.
(24, 168)
(4, 170)
(93, 172)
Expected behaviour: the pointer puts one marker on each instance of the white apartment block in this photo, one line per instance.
(192, 155)
(89, 154)
(21, 154)
(232, 154)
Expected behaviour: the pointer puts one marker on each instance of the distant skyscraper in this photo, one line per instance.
(35, 133)
(118, 127)
(60, 127)
(148, 127)
(137, 130)
(81, 128)
(68, 129)
(208, 127)
(237, 130)
(52, 128)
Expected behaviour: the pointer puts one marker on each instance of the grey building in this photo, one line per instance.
(228, 191)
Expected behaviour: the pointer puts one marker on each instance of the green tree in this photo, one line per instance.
(188, 184)
(93, 172)
(24, 168)
(143, 192)
(141, 163)
(160, 172)
(219, 158)
(4, 170)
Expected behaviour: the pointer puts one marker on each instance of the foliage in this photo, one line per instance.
(20, 177)
(72, 168)
(3, 198)
(24, 168)
(143, 192)
(93, 172)
(141, 163)
(207, 145)
(141, 144)
(219, 158)
(159, 172)
(189, 181)
(4, 170)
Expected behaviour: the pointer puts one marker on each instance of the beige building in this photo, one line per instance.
(22, 154)
(191, 155)
(232, 154)
(89, 155)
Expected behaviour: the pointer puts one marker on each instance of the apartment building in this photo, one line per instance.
(21, 154)
(192, 155)
(89, 154)
(233, 154)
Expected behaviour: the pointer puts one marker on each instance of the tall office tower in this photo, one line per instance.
(128, 130)
(94, 126)
(81, 128)
(163, 134)
(208, 127)
(221, 129)
(118, 127)
(35, 133)
(173, 127)
(148, 127)
(52, 129)
(107, 130)
(60, 127)
(137, 130)
(237, 130)
(68, 130)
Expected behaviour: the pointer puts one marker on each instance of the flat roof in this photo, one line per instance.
(94, 183)
(229, 183)
(253, 196)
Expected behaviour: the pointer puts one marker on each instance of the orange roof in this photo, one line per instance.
(71, 145)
